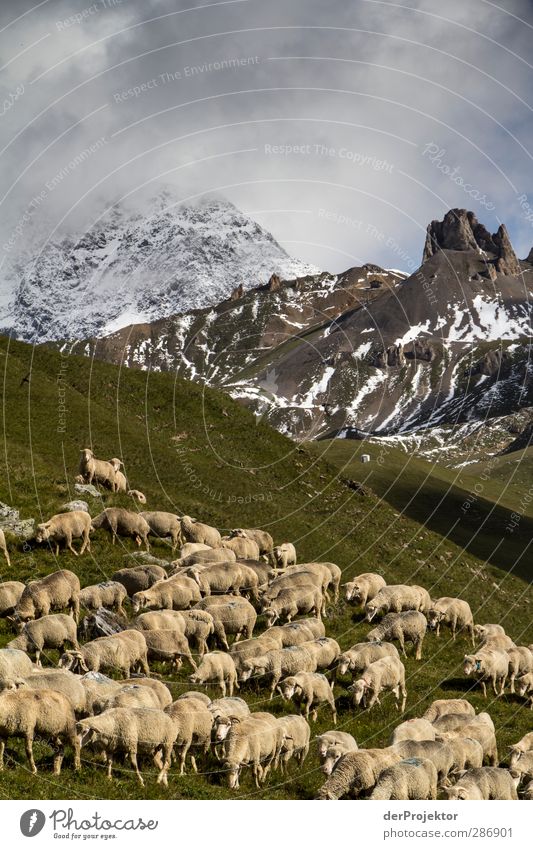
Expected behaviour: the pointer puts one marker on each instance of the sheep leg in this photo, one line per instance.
(38, 658)
(2, 748)
(133, 761)
(484, 686)
(511, 681)
(191, 661)
(418, 653)
(110, 767)
(222, 685)
(402, 644)
(183, 755)
(503, 686)
(333, 711)
(58, 758)
(28, 742)
(68, 540)
(57, 549)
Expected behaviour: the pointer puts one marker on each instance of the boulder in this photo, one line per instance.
(74, 505)
(87, 489)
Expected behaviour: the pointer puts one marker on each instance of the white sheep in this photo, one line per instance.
(176, 593)
(217, 667)
(194, 531)
(45, 714)
(14, 664)
(394, 598)
(262, 538)
(193, 722)
(64, 527)
(525, 744)
(331, 754)
(192, 548)
(437, 751)
(520, 662)
(483, 632)
(415, 778)
(363, 588)
(409, 626)
(203, 557)
(132, 731)
(96, 471)
(242, 547)
(290, 602)
(296, 738)
(132, 696)
(522, 766)
(168, 645)
(3, 547)
(308, 691)
(476, 731)
(253, 741)
(137, 495)
(467, 753)
(524, 687)
(452, 612)
(487, 665)
(10, 592)
(440, 707)
(276, 663)
(296, 633)
(109, 594)
(326, 651)
(124, 523)
(121, 483)
(357, 772)
(412, 729)
(231, 615)
(220, 578)
(124, 652)
(358, 657)
(56, 591)
(163, 525)
(139, 578)
(284, 555)
(337, 739)
(49, 632)
(486, 783)
(382, 675)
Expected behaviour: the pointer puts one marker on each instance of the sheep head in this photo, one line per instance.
(358, 689)
(271, 616)
(371, 610)
(434, 617)
(43, 532)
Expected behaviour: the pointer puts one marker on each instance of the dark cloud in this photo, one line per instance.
(344, 128)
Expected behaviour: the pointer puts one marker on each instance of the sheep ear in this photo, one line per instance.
(234, 720)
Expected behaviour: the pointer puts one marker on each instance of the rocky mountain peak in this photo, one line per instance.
(461, 231)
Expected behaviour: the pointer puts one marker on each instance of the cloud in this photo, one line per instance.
(343, 128)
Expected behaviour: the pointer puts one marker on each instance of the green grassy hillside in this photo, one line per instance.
(193, 450)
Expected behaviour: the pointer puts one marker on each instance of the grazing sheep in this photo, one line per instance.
(246, 649)
(98, 690)
(364, 588)
(123, 523)
(488, 782)
(290, 602)
(109, 594)
(415, 778)
(132, 696)
(308, 690)
(412, 729)
(192, 548)
(132, 731)
(136, 579)
(476, 731)
(357, 772)
(487, 665)
(483, 632)
(229, 706)
(121, 483)
(137, 495)
(122, 652)
(520, 662)
(359, 656)
(437, 751)
(317, 574)
(440, 707)
(385, 674)
(326, 651)
(253, 741)
(522, 766)
(524, 687)
(296, 633)
(46, 714)
(335, 739)
(332, 755)
(262, 538)
(156, 619)
(216, 667)
(467, 753)
(56, 591)
(193, 722)
(163, 525)
(64, 527)
(394, 599)
(199, 626)
(263, 570)
(60, 680)
(217, 578)
(195, 694)
(276, 663)
(158, 687)
(14, 664)
(96, 471)
(452, 612)
(3, 547)
(457, 721)
(498, 642)
(194, 531)
(242, 547)
(10, 593)
(231, 615)
(284, 555)
(203, 558)
(409, 626)
(176, 593)
(168, 645)
(525, 744)
(296, 738)
(48, 632)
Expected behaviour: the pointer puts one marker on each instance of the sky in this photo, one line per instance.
(344, 127)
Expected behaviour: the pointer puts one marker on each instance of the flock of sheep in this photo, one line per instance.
(201, 609)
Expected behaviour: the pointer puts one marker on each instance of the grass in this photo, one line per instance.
(194, 450)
